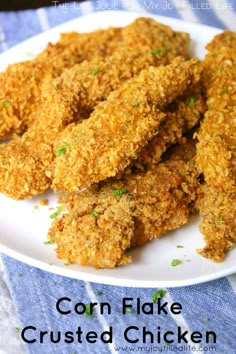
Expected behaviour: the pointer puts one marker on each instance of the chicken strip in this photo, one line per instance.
(216, 150)
(120, 127)
(21, 83)
(57, 112)
(100, 224)
(181, 116)
(218, 224)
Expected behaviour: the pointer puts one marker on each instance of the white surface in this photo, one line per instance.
(23, 228)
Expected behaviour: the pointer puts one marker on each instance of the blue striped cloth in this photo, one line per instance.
(206, 307)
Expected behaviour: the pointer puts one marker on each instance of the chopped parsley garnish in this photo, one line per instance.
(186, 150)
(66, 264)
(158, 51)
(119, 192)
(219, 218)
(224, 90)
(158, 295)
(62, 149)
(99, 293)
(191, 102)
(49, 242)
(94, 213)
(136, 104)
(6, 104)
(21, 146)
(18, 329)
(206, 320)
(180, 246)
(57, 212)
(133, 152)
(175, 262)
(88, 310)
(94, 71)
(29, 54)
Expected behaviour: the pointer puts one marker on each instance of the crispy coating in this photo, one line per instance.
(116, 131)
(216, 150)
(218, 223)
(100, 224)
(73, 96)
(181, 116)
(21, 83)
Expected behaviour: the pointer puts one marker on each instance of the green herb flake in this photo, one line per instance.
(133, 153)
(119, 192)
(49, 242)
(219, 218)
(191, 102)
(61, 150)
(136, 104)
(29, 54)
(88, 310)
(158, 51)
(6, 104)
(94, 71)
(186, 150)
(57, 212)
(94, 213)
(51, 264)
(99, 293)
(175, 262)
(21, 146)
(18, 329)
(206, 320)
(224, 90)
(180, 246)
(66, 264)
(158, 295)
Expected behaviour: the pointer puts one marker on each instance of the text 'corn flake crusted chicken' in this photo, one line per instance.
(116, 131)
(21, 83)
(216, 150)
(102, 223)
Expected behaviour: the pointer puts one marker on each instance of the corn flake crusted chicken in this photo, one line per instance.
(119, 127)
(102, 223)
(21, 83)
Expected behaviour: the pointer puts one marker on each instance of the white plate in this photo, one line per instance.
(24, 229)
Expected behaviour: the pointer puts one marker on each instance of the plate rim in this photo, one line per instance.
(105, 279)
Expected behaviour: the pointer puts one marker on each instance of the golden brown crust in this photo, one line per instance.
(218, 223)
(111, 138)
(141, 206)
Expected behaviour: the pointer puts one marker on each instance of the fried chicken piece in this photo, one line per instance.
(218, 224)
(100, 224)
(216, 150)
(92, 81)
(181, 116)
(73, 95)
(116, 131)
(21, 83)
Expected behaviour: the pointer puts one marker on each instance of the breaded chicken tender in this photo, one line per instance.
(74, 95)
(120, 127)
(181, 116)
(218, 223)
(21, 83)
(100, 224)
(216, 150)
(22, 91)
